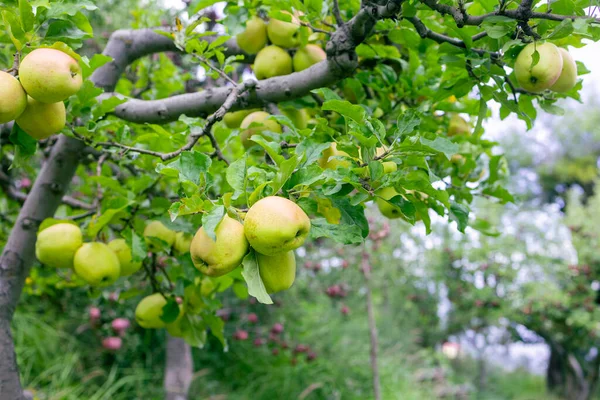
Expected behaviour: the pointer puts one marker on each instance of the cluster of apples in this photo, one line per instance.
(98, 264)
(47, 77)
(274, 59)
(555, 68)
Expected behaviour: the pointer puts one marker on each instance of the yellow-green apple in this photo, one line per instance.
(254, 37)
(327, 160)
(299, 117)
(458, 126)
(216, 258)
(13, 99)
(97, 264)
(156, 229)
(568, 76)
(255, 123)
(307, 56)
(56, 245)
(387, 209)
(149, 311)
(277, 272)
(123, 252)
(234, 119)
(182, 243)
(276, 225)
(283, 33)
(272, 61)
(42, 120)
(542, 75)
(50, 75)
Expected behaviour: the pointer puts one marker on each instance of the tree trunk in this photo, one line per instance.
(570, 378)
(179, 369)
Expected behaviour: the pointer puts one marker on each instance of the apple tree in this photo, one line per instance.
(167, 129)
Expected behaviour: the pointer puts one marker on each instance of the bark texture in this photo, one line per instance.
(179, 369)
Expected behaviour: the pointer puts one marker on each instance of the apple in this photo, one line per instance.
(272, 61)
(234, 119)
(299, 117)
(240, 334)
(458, 126)
(388, 210)
(283, 33)
(276, 225)
(149, 311)
(50, 75)
(307, 56)
(252, 318)
(542, 75)
(277, 272)
(174, 328)
(388, 166)
(207, 287)
(97, 264)
(216, 258)
(41, 120)
(120, 325)
(112, 343)
(156, 229)
(255, 123)
(277, 328)
(13, 99)
(327, 162)
(254, 37)
(56, 245)
(123, 252)
(192, 299)
(182, 243)
(568, 76)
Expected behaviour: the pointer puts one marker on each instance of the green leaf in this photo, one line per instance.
(94, 63)
(26, 144)
(564, 29)
(211, 220)
(251, 274)
(201, 4)
(136, 243)
(97, 223)
(341, 233)
(408, 122)
(26, 14)
(311, 151)
(236, 174)
(460, 214)
(345, 108)
(170, 311)
(216, 325)
(499, 26)
(13, 28)
(442, 145)
(189, 166)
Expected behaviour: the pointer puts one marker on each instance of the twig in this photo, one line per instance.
(218, 70)
(314, 28)
(337, 14)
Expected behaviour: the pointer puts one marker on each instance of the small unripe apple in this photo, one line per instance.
(42, 120)
(272, 61)
(56, 245)
(277, 272)
(298, 117)
(254, 37)
(112, 343)
(123, 252)
(182, 244)
(97, 264)
(387, 209)
(149, 311)
(13, 99)
(328, 162)
(283, 33)
(234, 119)
(156, 229)
(545, 73)
(256, 123)
(458, 126)
(308, 56)
(568, 76)
(50, 75)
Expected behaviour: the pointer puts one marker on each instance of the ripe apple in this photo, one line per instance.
(41, 120)
(254, 37)
(388, 210)
(120, 325)
(13, 99)
(275, 225)
(252, 318)
(56, 245)
(223, 256)
(112, 343)
(123, 252)
(272, 61)
(50, 75)
(327, 162)
(458, 126)
(261, 123)
(307, 56)
(283, 33)
(299, 117)
(97, 264)
(542, 75)
(149, 311)
(277, 272)
(277, 328)
(568, 76)
(156, 229)
(182, 244)
(234, 119)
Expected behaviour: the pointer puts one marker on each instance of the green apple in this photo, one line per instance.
(97, 264)
(543, 74)
(272, 61)
(123, 252)
(299, 117)
(328, 162)
(192, 299)
(182, 243)
(13, 99)
(50, 75)
(277, 272)
(56, 245)
(41, 120)
(156, 229)
(276, 225)
(254, 37)
(568, 76)
(283, 33)
(216, 258)
(458, 126)
(149, 311)
(234, 119)
(207, 287)
(260, 122)
(307, 56)
(387, 209)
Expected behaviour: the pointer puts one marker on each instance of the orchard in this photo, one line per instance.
(186, 171)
